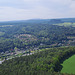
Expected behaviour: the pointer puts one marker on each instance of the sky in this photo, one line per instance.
(36, 9)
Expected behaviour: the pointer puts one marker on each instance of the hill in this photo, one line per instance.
(30, 46)
(30, 35)
(46, 62)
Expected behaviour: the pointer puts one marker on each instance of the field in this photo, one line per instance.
(69, 65)
(66, 24)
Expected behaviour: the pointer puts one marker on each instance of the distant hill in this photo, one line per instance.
(41, 20)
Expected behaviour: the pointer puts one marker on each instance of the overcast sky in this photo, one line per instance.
(33, 9)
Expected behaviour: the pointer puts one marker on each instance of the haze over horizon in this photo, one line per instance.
(36, 9)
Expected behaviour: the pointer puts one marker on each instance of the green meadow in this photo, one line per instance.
(69, 65)
(66, 24)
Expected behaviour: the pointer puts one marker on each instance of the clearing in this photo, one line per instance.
(69, 65)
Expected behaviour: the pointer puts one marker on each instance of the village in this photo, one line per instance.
(16, 52)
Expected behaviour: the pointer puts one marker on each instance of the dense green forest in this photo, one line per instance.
(46, 62)
(25, 34)
(36, 47)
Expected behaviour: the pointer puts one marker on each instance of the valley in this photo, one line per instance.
(36, 46)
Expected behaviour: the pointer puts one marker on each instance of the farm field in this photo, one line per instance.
(69, 65)
(66, 24)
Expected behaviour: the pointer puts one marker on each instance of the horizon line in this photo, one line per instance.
(38, 19)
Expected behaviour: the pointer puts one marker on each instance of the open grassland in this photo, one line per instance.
(66, 24)
(69, 65)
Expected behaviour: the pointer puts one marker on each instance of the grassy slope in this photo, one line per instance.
(69, 65)
(66, 24)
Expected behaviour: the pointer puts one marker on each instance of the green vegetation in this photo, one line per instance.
(45, 62)
(66, 24)
(68, 65)
(35, 40)
(2, 33)
(40, 33)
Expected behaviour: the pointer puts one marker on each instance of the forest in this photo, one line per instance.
(37, 46)
(46, 62)
(25, 34)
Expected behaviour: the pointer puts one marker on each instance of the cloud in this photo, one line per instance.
(20, 14)
(27, 9)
